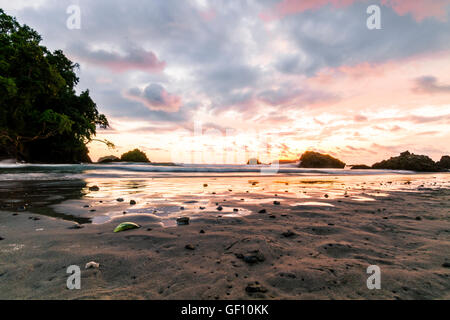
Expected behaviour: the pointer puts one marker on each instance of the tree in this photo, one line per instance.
(135, 155)
(42, 119)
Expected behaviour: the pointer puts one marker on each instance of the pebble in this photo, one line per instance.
(262, 211)
(94, 188)
(418, 218)
(92, 264)
(202, 208)
(277, 203)
(1, 238)
(132, 202)
(205, 185)
(446, 264)
(75, 226)
(254, 287)
(22, 208)
(235, 210)
(189, 247)
(219, 208)
(119, 199)
(288, 234)
(202, 231)
(183, 221)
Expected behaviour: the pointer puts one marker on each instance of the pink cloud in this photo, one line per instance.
(419, 9)
(134, 59)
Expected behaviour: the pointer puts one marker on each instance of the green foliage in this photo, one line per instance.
(135, 155)
(42, 119)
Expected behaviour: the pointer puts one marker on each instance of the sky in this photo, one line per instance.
(223, 81)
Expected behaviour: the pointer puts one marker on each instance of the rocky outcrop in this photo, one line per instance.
(444, 163)
(408, 161)
(311, 159)
(360, 166)
(107, 159)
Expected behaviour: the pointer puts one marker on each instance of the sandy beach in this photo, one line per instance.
(315, 244)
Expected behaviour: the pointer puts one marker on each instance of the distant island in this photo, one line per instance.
(134, 155)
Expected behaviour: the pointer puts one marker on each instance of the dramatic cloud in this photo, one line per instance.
(155, 97)
(419, 9)
(310, 74)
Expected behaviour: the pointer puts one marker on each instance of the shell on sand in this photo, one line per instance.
(92, 264)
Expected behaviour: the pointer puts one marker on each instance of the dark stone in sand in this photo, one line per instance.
(446, 264)
(418, 218)
(202, 208)
(132, 202)
(15, 214)
(183, 221)
(119, 200)
(288, 234)
(189, 247)
(262, 211)
(287, 275)
(311, 159)
(181, 208)
(255, 287)
(94, 188)
(252, 257)
(22, 208)
(202, 231)
(205, 185)
(92, 210)
(1, 238)
(75, 226)
(149, 229)
(272, 216)
(219, 208)
(326, 196)
(86, 206)
(235, 210)
(36, 219)
(277, 203)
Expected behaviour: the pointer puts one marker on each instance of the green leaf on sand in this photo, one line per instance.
(126, 226)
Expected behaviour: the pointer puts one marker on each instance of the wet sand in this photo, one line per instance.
(316, 244)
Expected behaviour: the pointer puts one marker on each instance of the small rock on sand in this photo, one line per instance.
(277, 203)
(1, 238)
(22, 208)
(183, 221)
(255, 287)
(94, 188)
(235, 210)
(252, 257)
(446, 264)
(132, 202)
(119, 200)
(220, 208)
(288, 234)
(202, 231)
(262, 211)
(75, 226)
(92, 264)
(189, 247)
(205, 185)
